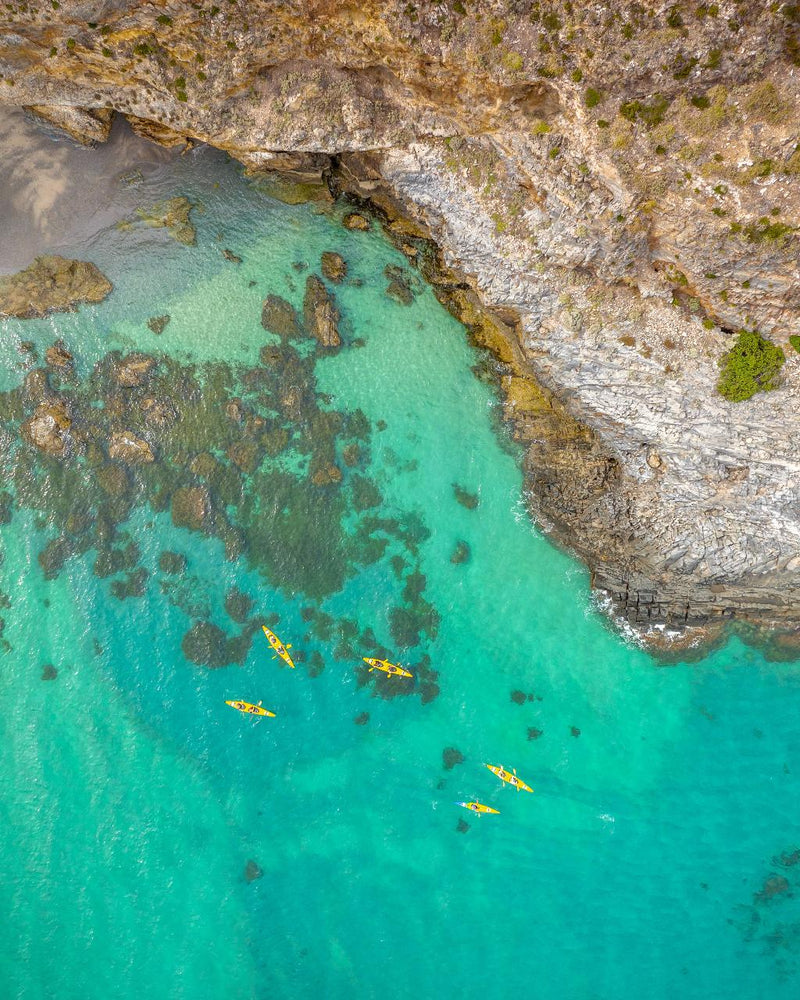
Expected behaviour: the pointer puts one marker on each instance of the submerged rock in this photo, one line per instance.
(57, 356)
(132, 370)
(159, 412)
(48, 428)
(334, 266)
(461, 553)
(451, 756)
(208, 646)
(172, 562)
(327, 475)
(231, 256)
(320, 313)
(134, 585)
(398, 288)
(238, 605)
(158, 323)
(361, 719)
(49, 672)
(253, 871)
(278, 316)
(126, 447)
(191, 505)
(462, 826)
(112, 479)
(775, 885)
(205, 645)
(172, 215)
(465, 498)
(51, 284)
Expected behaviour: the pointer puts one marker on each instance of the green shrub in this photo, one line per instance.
(592, 97)
(164, 19)
(758, 232)
(794, 340)
(752, 365)
(577, 75)
(649, 114)
(674, 19)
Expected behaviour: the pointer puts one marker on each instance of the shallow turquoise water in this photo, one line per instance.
(133, 797)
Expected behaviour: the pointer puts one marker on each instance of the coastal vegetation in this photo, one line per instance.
(752, 365)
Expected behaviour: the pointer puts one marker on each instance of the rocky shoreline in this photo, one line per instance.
(617, 186)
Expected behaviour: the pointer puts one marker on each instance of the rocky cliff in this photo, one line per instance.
(618, 182)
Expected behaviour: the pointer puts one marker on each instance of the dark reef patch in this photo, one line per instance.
(252, 456)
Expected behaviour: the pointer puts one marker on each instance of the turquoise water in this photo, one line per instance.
(133, 798)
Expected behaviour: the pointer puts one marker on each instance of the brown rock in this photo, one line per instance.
(51, 284)
(112, 479)
(158, 412)
(278, 316)
(48, 427)
(88, 126)
(131, 370)
(157, 132)
(354, 220)
(191, 505)
(57, 356)
(327, 475)
(158, 323)
(320, 313)
(126, 447)
(334, 266)
(172, 215)
(246, 455)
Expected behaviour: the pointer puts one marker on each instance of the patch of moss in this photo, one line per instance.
(592, 97)
(759, 232)
(650, 115)
(794, 340)
(752, 365)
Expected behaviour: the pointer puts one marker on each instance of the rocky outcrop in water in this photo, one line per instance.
(619, 182)
(51, 284)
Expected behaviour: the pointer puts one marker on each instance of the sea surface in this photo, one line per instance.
(363, 501)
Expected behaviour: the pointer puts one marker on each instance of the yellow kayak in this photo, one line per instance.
(386, 667)
(478, 807)
(248, 709)
(509, 777)
(278, 646)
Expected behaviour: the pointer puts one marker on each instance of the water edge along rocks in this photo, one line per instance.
(620, 217)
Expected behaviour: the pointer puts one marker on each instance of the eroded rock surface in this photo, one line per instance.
(619, 182)
(51, 284)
